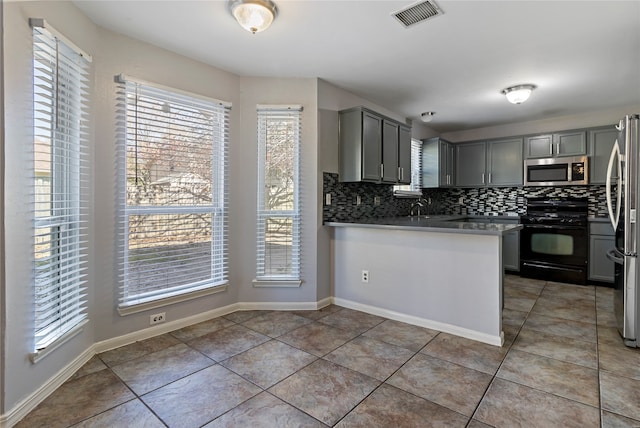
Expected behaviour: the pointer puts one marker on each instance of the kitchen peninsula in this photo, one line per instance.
(439, 272)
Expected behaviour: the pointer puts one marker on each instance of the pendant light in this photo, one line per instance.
(253, 15)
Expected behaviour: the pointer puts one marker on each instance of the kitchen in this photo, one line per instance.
(549, 195)
(115, 52)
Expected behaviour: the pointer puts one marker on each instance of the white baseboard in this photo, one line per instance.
(422, 322)
(20, 410)
(25, 406)
(163, 328)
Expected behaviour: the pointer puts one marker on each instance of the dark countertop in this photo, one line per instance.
(436, 223)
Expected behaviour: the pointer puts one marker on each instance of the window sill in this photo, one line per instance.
(168, 300)
(277, 283)
(39, 355)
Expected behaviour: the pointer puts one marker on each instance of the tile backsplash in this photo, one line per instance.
(475, 201)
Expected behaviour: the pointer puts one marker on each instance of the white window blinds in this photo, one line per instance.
(60, 185)
(278, 216)
(415, 188)
(173, 193)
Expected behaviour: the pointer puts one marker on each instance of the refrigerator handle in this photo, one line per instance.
(614, 218)
(615, 256)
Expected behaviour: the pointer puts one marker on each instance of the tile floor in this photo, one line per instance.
(563, 365)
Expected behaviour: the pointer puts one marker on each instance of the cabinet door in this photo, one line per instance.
(600, 145)
(404, 155)
(504, 162)
(511, 251)
(539, 146)
(570, 143)
(600, 267)
(371, 147)
(470, 164)
(447, 164)
(390, 141)
(430, 163)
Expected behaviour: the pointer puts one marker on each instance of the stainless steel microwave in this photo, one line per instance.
(560, 171)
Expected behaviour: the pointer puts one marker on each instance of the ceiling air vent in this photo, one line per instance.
(418, 12)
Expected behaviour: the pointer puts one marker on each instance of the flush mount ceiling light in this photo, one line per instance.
(253, 15)
(518, 94)
(427, 116)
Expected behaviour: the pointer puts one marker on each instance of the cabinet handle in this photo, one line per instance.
(400, 173)
(558, 148)
(489, 178)
(483, 178)
(381, 170)
(448, 179)
(550, 148)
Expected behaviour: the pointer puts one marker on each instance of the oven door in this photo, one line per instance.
(554, 252)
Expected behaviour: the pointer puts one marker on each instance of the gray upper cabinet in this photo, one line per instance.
(601, 143)
(471, 164)
(404, 155)
(390, 140)
(438, 163)
(540, 146)
(504, 162)
(492, 163)
(373, 148)
(570, 143)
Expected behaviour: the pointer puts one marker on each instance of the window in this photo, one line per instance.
(415, 188)
(278, 229)
(173, 195)
(60, 181)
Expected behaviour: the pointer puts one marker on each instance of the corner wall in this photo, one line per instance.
(3, 310)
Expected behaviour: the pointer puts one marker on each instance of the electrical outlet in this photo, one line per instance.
(376, 200)
(157, 318)
(327, 198)
(358, 200)
(461, 200)
(365, 276)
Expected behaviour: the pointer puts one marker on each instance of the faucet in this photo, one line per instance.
(417, 204)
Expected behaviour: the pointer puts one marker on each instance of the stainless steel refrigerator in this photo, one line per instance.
(623, 194)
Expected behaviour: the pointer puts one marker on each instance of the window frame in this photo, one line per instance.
(217, 281)
(61, 86)
(293, 278)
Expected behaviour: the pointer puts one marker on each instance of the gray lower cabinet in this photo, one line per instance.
(491, 163)
(601, 240)
(373, 148)
(510, 247)
(600, 145)
(568, 143)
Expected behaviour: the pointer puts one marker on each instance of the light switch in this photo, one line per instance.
(327, 198)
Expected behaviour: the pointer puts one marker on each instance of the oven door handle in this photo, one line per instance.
(560, 227)
(615, 256)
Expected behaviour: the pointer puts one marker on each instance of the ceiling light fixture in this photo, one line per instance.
(518, 94)
(427, 116)
(253, 15)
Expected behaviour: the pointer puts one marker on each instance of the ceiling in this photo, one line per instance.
(584, 56)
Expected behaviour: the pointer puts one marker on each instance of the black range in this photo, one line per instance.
(554, 241)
